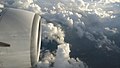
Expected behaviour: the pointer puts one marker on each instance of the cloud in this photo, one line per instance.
(113, 30)
(22, 4)
(61, 60)
(52, 32)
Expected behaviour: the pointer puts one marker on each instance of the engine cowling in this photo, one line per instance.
(20, 38)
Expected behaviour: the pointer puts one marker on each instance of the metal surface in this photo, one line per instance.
(35, 40)
(15, 29)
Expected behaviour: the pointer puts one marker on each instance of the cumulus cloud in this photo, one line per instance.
(1, 6)
(113, 30)
(64, 61)
(22, 4)
(52, 32)
(61, 60)
(109, 1)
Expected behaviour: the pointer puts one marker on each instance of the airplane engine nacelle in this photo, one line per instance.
(20, 38)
